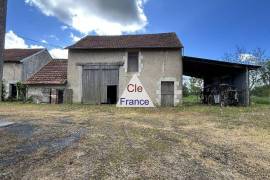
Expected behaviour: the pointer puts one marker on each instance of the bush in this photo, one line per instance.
(21, 88)
(262, 91)
(3, 95)
(30, 100)
(185, 90)
(11, 99)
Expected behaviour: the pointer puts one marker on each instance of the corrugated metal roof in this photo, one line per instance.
(220, 62)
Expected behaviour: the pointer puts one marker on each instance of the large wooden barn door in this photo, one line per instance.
(167, 93)
(95, 82)
(90, 86)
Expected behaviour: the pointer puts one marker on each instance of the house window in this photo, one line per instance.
(133, 62)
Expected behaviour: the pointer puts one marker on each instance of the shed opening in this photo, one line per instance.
(60, 96)
(224, 82)
(192, 90)
(13, 91)
(111, 94)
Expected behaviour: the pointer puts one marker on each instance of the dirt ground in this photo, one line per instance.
(105, 142)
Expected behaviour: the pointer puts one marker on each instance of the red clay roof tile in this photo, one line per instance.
(54, 73)
(16, 55)
(145, 41)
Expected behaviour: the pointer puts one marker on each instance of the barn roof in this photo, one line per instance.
(54, 73)
(201, 67)
(143, 41)
(16, 55)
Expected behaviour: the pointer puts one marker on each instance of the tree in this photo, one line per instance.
(254, 57)
(196, 85)
(21, 90)
(265, 74)
(3, 14)
(185, 90)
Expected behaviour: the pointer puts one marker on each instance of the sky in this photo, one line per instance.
(207, 28)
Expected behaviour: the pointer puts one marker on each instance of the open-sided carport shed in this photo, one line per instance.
(215, 72)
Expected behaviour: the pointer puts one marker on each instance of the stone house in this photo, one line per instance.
(19, 65)
(100, 67)
(48, 84)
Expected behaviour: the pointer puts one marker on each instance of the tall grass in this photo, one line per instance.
(260, 100)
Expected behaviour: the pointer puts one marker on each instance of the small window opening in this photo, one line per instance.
(133, 62)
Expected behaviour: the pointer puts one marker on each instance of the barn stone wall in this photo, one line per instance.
(154, 66)
(41, 94)
(12, 73)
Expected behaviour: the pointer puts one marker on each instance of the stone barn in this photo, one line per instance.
(100, 67)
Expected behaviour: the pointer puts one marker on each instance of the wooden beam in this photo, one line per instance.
(101, 64)
(3, 14)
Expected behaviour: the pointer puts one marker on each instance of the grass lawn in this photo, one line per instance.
(191, 100)
(105, 142)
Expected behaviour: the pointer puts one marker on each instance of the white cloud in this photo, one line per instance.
(99, 16)
(74, 38)
(44, 41)
(59, 53)
(36, 47)
(53, 37)
(14, 41)
(64, 27)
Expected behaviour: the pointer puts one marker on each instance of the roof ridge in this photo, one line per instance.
(59, 59)
(17, 55)
(129, 35)
(129, 41)
(25, 48)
